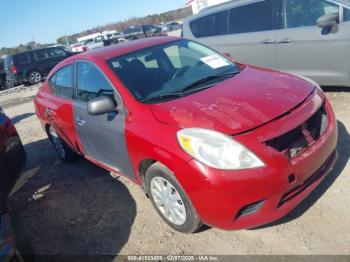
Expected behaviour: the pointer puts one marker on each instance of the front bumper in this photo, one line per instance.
(221, 198)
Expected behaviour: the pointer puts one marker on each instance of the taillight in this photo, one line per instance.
(14, 69)
(84, 49)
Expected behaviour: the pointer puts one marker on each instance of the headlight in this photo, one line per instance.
(217, 150)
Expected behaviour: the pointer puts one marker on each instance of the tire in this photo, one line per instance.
(9, 84)
(11, 164)
(34, 77)
(186, 220)
(64, 152)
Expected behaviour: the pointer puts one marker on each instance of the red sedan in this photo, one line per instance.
(209, 140)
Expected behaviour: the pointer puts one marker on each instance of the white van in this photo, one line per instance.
(304, 37)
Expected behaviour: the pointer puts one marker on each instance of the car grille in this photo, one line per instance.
(295, 141)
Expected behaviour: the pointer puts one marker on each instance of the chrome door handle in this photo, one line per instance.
(80, 122)
(268, 42)
(48, 111)
(285, 41)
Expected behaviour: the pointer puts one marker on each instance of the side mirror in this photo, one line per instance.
(328, 23)
(101, 105)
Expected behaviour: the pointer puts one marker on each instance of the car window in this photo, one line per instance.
(56, 52)
(41, 54)
(251, 18)
(301, 13)
(91, 83)
(210, 25)
(62, 82)
(346, 14)
(23, 59)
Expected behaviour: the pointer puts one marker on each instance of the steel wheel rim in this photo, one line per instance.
(168, 201)
(57, 142)
(35, 77)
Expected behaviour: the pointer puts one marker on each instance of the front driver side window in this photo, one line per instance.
(91, 82)
(302, 13)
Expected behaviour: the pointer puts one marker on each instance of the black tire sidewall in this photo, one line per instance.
(70, 155)
(192, 220)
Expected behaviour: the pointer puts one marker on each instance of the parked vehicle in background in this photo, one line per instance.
(12, 154)
(309, 38)
(163, 27)
(134, 32)
(2, 75)
(32, 66)
(172, 26)
(209, 140)
(78, 48)
(97, 42)
(152, 30)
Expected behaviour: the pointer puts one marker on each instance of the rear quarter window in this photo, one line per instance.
(210, 25)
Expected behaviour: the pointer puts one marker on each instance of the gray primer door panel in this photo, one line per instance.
(103, 137)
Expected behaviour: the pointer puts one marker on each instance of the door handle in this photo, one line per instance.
(268, 42)
(48, 111)
(80, 121)
(285, 41)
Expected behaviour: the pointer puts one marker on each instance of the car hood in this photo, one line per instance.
(248, 100)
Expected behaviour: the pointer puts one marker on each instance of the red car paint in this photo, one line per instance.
(254, 106)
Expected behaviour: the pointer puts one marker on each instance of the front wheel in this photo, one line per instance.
(170, 200)
(64, 152)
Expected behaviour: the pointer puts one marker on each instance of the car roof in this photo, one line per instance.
(34, 50)
(120, 49)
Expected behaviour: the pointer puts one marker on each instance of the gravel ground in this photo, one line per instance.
(81, 209)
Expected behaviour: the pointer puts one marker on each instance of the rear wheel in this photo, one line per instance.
(9, 83)
(64, 152)
(34, 77)
(170, 200)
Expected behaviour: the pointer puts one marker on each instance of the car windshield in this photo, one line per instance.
(171, 70)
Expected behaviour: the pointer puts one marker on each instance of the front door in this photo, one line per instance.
(102, 136)
(302, 48)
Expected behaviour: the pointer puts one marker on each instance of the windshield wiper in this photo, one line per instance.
(190, 88)
(162, 97)
(199, 82)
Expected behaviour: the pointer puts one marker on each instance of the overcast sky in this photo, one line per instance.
(44, 21)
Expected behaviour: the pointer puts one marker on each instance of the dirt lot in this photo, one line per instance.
(87, 211)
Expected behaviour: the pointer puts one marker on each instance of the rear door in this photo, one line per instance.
(303, 49)
(102, 136)
(59, 104)
(245, 31)
(41, 61)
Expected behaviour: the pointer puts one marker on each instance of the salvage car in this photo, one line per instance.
(134, 32)
(12, 154)
(304, 37)
(210, 141)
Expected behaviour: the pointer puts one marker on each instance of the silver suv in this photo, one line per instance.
(304, 37)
